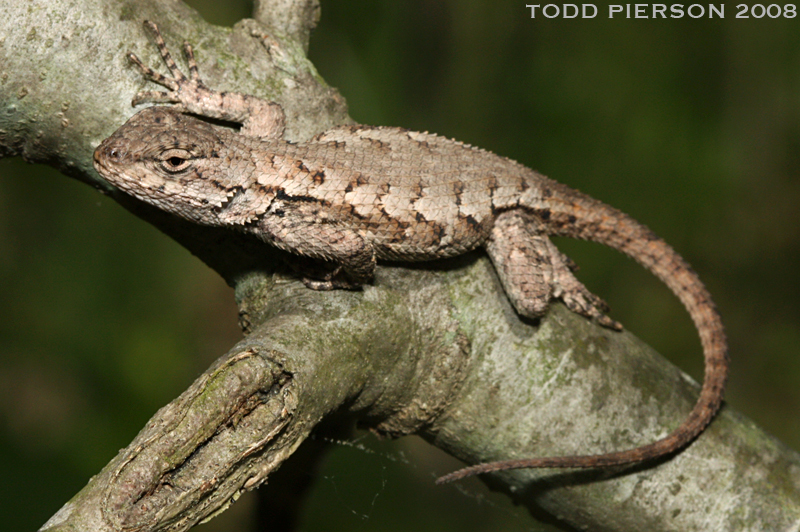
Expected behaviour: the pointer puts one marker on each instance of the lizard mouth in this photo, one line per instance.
(102, 167)
(98, 162)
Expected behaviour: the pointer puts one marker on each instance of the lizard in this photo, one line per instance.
(355, 194)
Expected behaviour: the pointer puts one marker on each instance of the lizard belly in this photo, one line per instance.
(422, 239)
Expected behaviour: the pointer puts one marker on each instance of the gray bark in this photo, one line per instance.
(436, 350)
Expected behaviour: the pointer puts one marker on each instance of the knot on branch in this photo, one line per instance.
(437, 379)
(198, 453)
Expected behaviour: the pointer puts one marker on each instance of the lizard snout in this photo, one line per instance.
(107, 155)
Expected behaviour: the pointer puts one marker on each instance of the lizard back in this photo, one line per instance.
(416, 196)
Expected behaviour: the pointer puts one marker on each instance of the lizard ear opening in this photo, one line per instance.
(175, 160)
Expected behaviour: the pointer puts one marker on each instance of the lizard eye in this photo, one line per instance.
(175, 160)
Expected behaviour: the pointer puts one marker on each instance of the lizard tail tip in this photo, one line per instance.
(458, 475)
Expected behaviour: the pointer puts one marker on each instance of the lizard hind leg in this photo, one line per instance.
(533, 271)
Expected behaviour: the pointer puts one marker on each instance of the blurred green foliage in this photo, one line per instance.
(691, 126)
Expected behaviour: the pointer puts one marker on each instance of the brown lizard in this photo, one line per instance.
(356, 194)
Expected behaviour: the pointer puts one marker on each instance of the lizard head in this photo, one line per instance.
(172, 161)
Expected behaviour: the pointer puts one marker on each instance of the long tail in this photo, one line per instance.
(567, 212)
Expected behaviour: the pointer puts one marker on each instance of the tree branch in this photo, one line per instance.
(436, 350)
(241, 419)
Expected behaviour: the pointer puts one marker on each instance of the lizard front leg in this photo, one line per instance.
(259, 117)
(307, 229)
(533, 271)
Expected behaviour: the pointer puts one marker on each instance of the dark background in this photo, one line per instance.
(691, 126)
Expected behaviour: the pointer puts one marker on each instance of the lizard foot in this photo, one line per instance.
(580, 300)
(320, 275)
(331, 284)
(259, 117)
(333, 280)
(533, 271)
(575, 295)
(182, 90)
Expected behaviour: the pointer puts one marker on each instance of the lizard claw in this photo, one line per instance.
(164, 51)
(188, 53)
(579, 300)
(608, 323)
(332, 284)
(152, 75)
(333, 280)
